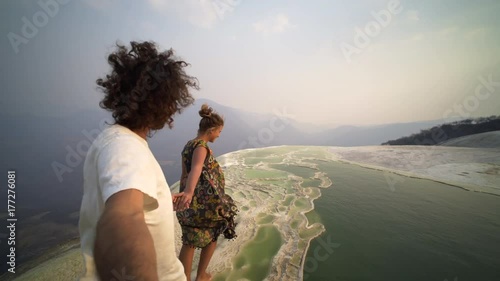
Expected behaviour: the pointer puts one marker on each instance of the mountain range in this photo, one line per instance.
(48, 153)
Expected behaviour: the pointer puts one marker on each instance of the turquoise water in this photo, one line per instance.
(254, 260)
(369, 230)
(422, 230)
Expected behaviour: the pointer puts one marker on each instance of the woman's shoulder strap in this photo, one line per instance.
(199, 142)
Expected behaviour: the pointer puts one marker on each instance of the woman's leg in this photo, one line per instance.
(205, 256)
(186, 257)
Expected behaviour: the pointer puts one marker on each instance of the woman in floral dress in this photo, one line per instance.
(203, 209)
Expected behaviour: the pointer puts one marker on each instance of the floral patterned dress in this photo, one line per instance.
(211, 212)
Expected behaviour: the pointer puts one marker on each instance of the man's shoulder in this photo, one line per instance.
(119, 136)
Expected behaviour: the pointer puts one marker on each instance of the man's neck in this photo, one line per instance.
(143, 133)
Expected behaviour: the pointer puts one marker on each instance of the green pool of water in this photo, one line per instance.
(255, 259)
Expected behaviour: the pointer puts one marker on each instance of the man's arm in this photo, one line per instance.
(123, 242)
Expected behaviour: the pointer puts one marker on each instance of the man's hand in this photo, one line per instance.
(182, 200)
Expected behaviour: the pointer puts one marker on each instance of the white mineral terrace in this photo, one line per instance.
(271, 198)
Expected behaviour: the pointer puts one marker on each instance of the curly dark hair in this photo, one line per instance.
(145, 88)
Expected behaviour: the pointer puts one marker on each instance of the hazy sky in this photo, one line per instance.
(326, 61)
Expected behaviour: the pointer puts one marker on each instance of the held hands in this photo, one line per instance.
(182, 200)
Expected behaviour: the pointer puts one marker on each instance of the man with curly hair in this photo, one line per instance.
(126, 217)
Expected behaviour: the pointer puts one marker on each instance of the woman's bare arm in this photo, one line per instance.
(199, 155)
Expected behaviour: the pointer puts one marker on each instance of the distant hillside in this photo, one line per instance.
(449, 131)
(484, 140)
(366, 135)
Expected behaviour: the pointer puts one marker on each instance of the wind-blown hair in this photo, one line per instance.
(145, 87)
(209, 119)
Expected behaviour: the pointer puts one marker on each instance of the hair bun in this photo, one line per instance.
(205, 111)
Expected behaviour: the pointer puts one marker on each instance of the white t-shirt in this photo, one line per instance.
(118, 160)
